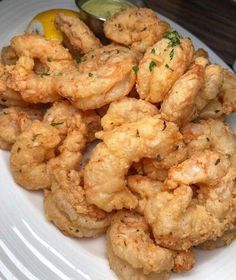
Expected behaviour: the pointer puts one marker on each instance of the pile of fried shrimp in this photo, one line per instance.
(161, 177)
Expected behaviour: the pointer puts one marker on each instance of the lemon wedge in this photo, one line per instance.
(43, 23)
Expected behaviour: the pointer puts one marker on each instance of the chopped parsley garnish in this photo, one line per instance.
(174, 38)
(49, 59)
(137, 133)
(168, 67)
(197, 120)
(217, 161)
(90, 74)
(60, 74)
(152, 65)
(153, 51)
(44, 74)
(172, 54)
(78, 59)
(135, 69)
(55, 124)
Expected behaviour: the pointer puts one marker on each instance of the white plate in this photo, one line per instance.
(32, 248)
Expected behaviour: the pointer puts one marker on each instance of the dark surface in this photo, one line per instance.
(212, 21)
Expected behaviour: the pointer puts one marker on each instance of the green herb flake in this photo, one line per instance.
(217, 161)
(90, 74)
(197, 120)
(137, 133)
(153, 51)
(168, 67)
(44, 74)
(172, 54)
(56, 124)
(174, 38)
(152, 64)
(49, 59)
(135, 69)
(78, 59)
(60, 74)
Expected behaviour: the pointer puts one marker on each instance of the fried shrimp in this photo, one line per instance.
(66, 206)
(201, 205)
(162, 65)
(138, 28)
(144, 188)
(43, 148)
(34, 87)
(104, 175)
(213, 110)
(77, 34)
(179, 104)
(157, 168)
(103, 76)
(210, 135)
(213, 79)
(9, 97)
(228, 92)
(127, 110)
(13, 121)
(131, 252)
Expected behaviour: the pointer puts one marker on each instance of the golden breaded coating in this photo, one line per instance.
(210, 135)
(66, 206)
(127, 110)
(77, 33)
(201, 205)
(13, 121)
(34, 87)
(162, 65)
(43, 148)
(129, 239)
(228, 92)
(103, 76)
(9, 97)
(157, 168)
(213, 80)
(104, 175)
(225, 240)
(144, 188)
(179, 104)
(138, 28)
(213, 110)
